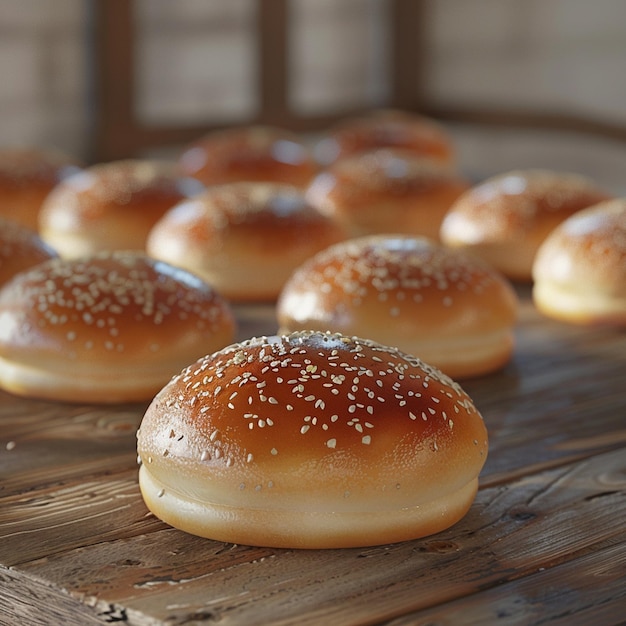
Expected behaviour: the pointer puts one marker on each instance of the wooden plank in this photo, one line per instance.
(32, 602)
(567, 595)
(537, 523)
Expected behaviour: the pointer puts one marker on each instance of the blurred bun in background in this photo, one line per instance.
(111, 206)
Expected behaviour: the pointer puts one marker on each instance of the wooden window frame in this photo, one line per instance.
(118, 133)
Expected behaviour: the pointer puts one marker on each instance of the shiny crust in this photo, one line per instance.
(27, 175)
(243, 238)
(110, 328)
(111, 206)
(505, 218)
(385, 191)
(448, 308)
(386, 129)
(580, 269)
(311, 440)
(20, 248)
(249, 153)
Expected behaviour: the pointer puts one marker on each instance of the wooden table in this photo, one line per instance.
(545, 541)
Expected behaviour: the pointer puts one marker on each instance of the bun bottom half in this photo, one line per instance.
(304, 529)
(585, 308)
(80, 384)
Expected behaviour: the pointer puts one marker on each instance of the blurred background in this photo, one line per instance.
(520, 83)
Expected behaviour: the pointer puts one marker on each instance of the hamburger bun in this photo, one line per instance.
(310, 440)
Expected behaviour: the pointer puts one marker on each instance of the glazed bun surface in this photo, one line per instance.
(249, 154)
(387, 190)
(20, 248)
(111, 206)
(505, 218)
(449, 309)
(310, 440)
(243, 238)
(110, 328)
(386, 129)
(27, 176)
(580, 269)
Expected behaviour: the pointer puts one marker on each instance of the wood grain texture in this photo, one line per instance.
(544, 542)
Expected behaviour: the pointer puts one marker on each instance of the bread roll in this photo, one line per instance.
(445, 307)
(387, 191)
(580, 269)
(111, 206)
(27, 175)
(249, 154)
(505, 219)
(386, 129)
(109, 328)
(20, 249)
(310, 440)
(243, 238)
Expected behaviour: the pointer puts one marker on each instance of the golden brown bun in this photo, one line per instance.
(311, 440)
(387, 191)
(20, 249)
(110, 328)
(505, 219)
(386, 129)
(27, 175)
(445, 307)
(580, 269)
(243, 238)
(111, 206)
(250, 153)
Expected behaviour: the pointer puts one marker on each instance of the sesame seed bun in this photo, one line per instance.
(27, 176)
(580, 269)
(20, 248)
(243, 238)
(505, 219)
(110, 328)
(310, 440)
(249, 153)
(387, 190)
(111, 206)
(386, 128)
(449, 309)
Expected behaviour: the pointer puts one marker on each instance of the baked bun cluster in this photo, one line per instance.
(310, 440)
(387, 190)
(386, 129)
(20, 249)
(580, 269)
(243, 238)
(111, 206)
(110, 328)
(444, 306)
(27, 176)
(249, 153)
(505, 219)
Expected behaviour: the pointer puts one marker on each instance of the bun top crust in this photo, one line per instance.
(312, 421)
(22, 168)
(112, 327)
(517, 205)
(249, 153)
(27, 175)
(387, 129)
(408, 289)
(387, 190)
(20, 249)
(111, 206)
(506, 218)
(244, 238)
